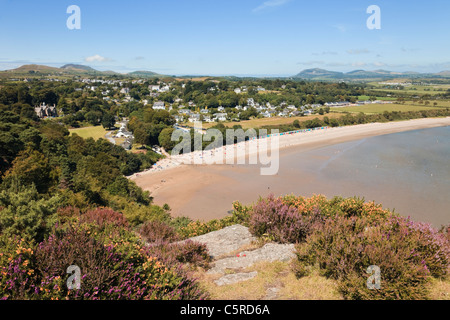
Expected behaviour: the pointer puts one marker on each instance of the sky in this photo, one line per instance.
(227, 37)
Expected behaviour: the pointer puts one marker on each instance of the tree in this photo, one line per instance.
(165, 139)
(31, 167)
(108, 121)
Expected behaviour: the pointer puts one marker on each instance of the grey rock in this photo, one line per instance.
(235, 278)
(270, 252)
(226, 240)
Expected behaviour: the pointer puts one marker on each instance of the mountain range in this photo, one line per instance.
(72, 69)
(321, 74)
(308, 74)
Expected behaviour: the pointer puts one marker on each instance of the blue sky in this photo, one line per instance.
(240, 37)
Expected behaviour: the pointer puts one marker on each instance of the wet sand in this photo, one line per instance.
(207, 192)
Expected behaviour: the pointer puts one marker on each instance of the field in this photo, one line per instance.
(413, 89)
(380, 108)
(90, 132)
(256, 123)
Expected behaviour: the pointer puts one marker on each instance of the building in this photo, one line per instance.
(159, 106)
(45, 111)
(220, 116)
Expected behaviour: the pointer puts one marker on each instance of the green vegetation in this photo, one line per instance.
(380, 108)
(95, 133)
(65, 198)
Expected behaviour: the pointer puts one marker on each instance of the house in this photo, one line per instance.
(127, 145)
(207, 119)
(221, 108)
(159, 105)
(195, 117)
(125, 90)
(178, 118)
(44, 111)
(237, 90)
(250, 102)
(220, 116)
(153, 87)
(186, 112)
(307, 112)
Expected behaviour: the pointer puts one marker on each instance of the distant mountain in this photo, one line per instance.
(321, 74)
(34, 68)
(78, 67)
(445, 73)
(144, 74)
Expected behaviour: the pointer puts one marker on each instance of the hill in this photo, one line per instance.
(145, 74)
(78, 67)
(321, 74)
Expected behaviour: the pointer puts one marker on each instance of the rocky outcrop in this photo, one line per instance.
(229, 240)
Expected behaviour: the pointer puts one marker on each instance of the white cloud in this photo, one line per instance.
(270, 4)
(96, 58)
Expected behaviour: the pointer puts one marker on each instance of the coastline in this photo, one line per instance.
(206, 192)
(309, 139)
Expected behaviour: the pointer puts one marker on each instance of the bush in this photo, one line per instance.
(26, 214)
(158, 232)
(283, 223)
(180, 253)
(407, 253)
(104, 216)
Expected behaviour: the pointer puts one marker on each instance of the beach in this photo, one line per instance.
(206, 192)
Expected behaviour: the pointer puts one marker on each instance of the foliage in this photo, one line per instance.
(26, 214)
(407, 253)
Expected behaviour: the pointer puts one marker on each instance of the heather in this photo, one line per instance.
(342, 237)
(114, 260)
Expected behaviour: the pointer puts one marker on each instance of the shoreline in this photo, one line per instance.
(206, 192)
(310, 139)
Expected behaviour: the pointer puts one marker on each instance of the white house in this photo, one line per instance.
(220, 116)
(159, 106)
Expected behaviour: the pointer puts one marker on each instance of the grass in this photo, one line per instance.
(440, 289)
(272, 275)
(90, 132)
(380, 108)
(365, 98)
(256, 123)
(412, 89)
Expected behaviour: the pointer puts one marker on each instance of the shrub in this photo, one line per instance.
(158, 232)
(105, 275)
(175, 254)
(26, 214)
(103, 217)
(283, 223)
(407, 253)
(16, 268)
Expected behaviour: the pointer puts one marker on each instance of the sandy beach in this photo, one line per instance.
(206, 191)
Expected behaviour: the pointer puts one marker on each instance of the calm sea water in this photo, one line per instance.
(408, 172)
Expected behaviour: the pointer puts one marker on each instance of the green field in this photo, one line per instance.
(380, 108)
(90, 132)
(413, 89)
(366, 98)
(274, 121)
